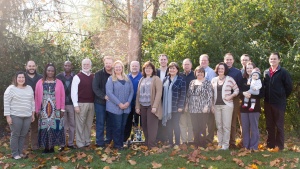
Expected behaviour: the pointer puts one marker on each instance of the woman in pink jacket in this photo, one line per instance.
(50, 105)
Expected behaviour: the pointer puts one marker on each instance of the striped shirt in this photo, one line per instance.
(18, 102)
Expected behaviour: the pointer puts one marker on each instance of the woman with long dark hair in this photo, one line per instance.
(19, 112)
(50, 105)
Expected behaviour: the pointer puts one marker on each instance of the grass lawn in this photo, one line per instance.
(138, 157)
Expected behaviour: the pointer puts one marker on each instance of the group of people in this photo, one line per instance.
(186, 106)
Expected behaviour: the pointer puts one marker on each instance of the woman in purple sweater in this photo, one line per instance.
(119, 90)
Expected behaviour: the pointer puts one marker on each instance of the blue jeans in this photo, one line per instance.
(118, 122)
(101, 119)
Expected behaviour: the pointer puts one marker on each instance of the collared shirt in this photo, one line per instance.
(162, 75)
(209, 73)
(135, 82)
(272, 71)
(74, 88)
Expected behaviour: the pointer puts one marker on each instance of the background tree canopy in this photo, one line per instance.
(76, 29)
(259, 27)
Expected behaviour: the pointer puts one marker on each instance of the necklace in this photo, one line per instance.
(221, 78)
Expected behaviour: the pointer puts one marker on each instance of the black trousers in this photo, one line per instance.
(275, 124)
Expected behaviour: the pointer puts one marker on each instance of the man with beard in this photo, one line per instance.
(83, 100)
(135, 75)
(69, 118)
(31, 79)
(99, 89)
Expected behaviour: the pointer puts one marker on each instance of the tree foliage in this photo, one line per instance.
(191, 28)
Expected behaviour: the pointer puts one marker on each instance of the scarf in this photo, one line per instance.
(167, 100)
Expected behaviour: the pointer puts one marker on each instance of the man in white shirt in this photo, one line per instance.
(83, 100)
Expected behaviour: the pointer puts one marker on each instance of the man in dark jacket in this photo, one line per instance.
(278, 86)
(161, 73)
(31, 79)
(69, 115)
(99, 83)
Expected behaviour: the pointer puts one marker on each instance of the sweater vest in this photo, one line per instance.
(85, 89)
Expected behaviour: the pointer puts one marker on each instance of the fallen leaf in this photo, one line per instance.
(132, 162)
(64, 158)
(275, 162)
(80, 155)
(276, 149)
(56, 167)
(31, 156)
(252, 166)
(257, 162)
(156, 165)
(266, 155)
(173, 153)
(244, 153)
(216, 158)
(6, 166)
(193, 156)
(108, 150)
(293, 165)
(239, 162)
(106, 167)
(89, 159)
(22, 165)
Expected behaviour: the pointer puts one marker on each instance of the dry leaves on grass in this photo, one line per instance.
(218, 158)
(192, 157)
(251, 166)
(80, 155)
(156, 165)
(56, 167)
(274, 150)
(132, 162)
(89, 159)
(239, 162)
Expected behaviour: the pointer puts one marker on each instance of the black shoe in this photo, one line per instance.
(233, 147)
(46, 150)
(97, 145)
(51, 150)
(71, 147)
(60, 149)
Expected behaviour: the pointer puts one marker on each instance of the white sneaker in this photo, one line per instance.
(17, 157)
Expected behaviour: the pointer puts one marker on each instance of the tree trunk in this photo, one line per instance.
(155, 8)
(135, 31)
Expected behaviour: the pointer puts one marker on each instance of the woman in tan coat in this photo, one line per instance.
(148, 103)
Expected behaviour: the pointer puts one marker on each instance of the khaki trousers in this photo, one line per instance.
(84, 122)
(236, 116)
(186, 127)
(223, 116)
